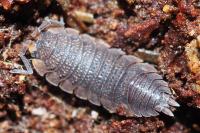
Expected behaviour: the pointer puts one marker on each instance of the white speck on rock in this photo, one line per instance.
(74, 113)
(94, 114)
(39, 111)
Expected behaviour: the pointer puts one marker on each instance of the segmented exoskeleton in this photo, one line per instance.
(87, 67)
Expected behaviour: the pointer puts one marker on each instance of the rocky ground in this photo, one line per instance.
(162, 32)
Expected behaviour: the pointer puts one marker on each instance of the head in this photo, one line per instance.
(45, 37)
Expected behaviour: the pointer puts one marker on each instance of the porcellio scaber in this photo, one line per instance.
(87, 67)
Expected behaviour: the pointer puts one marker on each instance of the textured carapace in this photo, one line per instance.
(87, 67)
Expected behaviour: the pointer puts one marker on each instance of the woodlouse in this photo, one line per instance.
(105, 76)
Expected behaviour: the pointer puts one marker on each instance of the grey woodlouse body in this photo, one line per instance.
(85, 66)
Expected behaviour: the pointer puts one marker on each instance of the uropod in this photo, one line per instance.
(86, 66)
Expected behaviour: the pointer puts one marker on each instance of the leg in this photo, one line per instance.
(26, 62)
